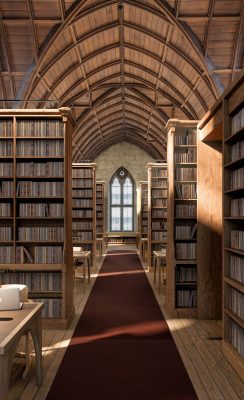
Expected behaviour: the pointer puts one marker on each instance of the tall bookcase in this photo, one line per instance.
(84, 207)
(143, 214)
(157, 208)
(181, 269)
(233, 211)
(35, 208)
(100, 211)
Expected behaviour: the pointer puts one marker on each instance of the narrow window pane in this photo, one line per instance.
(115, 219)
(128, 192)
(127, 218)
(115, 192)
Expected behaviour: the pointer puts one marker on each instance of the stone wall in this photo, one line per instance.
(126, 155)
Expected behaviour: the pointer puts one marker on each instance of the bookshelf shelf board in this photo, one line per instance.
(235, 138)
(7, 242)
(84, 241)
(237, 251)
(6, 137)
(159, 241)
(193, 164)
(179, 182)
(234, 283)
(85, 197)
(49, 294)
(234, 218)
(38, 197)
(186, 284)
(7, 177)
(185, 199)
(36, 177)
(3, 218)
(34, 267)
(40, 218)
(83, 208)
(39, 157)
(229, 191)
(235, 163)
(6, 157)
(187, 218)
(185, 146)
(40, 137)
(186, 240)
(235, 317)
(190, 262)
(158, 207)
(40, 242)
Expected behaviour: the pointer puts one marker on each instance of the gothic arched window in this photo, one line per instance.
(121, 201)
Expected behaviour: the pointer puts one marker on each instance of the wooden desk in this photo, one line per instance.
(85, 257)
(159, 262)
(28, 319)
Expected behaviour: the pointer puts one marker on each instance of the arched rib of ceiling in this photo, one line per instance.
(124, 66)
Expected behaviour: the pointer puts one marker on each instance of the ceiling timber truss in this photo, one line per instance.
(123, 67)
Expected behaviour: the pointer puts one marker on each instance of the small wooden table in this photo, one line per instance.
(13, 325)
(159, 261)
(85, 257)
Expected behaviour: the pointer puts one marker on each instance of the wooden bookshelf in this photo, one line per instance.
(84, 207)
(181, 269)
(143, 218)
(35, 208)
(233, 213)
(100, 212)
(157, 208)
(209, 214)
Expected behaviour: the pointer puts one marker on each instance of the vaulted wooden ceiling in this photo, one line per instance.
(123, 67)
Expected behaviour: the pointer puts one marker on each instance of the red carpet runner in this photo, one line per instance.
(122, 348)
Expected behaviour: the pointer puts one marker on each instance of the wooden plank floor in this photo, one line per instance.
(197, 341)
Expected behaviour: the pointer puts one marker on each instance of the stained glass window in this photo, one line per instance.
(121, 201)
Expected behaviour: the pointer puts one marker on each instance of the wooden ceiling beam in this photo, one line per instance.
(62, 9)
(206, 36)
(205, 18)
(8, 57)
(34, 33)
(177, 8)
(236, 42)
(122, 54)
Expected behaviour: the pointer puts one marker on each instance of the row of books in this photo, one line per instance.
(158, 225)
(99, 202)
(159, 183)
(82, 193)
(40, 148)
(99, 195)
(186, 156)
(185, 210)
(6, 233)
(159, 193)
(36, 169)
(39, 254)
(188, 137)
(40, 189)
(159, 173)
(99, 215)
(236, 302)
(237, 207)
(41, 210)
(40, 128)
(88, 235)
(186, 298)
(82, 203)
(237, 268)
(185, 251)
(52, 307)
(185, 231)
(237, 122)
(82, 173)
(185, 174)
(99, 229)
(144, 200)
(6, 169)
(82, 214)
(6, 128)
(144, 229)
(87, 225)
(237, 239)
(159, 235)
(6, 148)
(237, 178)
(41, 233)
(84, 183)
(159, 202)
(6, 188)
(186, 191)
(5, 210)
(237, 150)
(236, 334)
(186, 274)
(35, 280)
(159, 213)
(6, 254)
